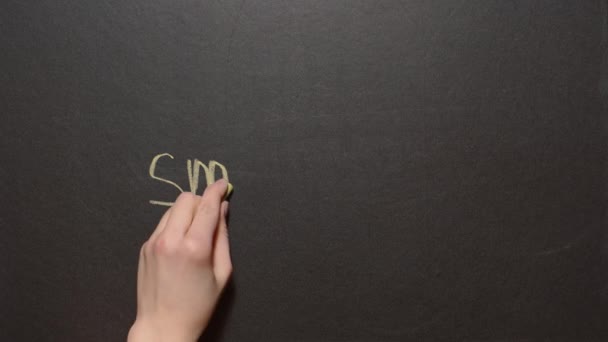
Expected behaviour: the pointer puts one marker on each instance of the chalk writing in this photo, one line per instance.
(193, 168)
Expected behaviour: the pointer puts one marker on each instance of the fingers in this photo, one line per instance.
(180, 217)
(221, 255)
(200, 224)
(207, 214)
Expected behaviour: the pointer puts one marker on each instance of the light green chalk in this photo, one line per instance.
(228, 191)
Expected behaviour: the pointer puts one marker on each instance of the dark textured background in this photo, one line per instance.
(404, 171)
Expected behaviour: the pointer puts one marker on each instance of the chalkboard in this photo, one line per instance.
(403, 171)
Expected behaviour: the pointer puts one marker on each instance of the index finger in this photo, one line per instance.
(181, 216)
(208, 212)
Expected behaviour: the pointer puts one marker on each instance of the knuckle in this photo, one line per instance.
(197, 252)
(163, 247)
(207, 207)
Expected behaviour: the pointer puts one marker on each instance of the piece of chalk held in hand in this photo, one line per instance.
(228, 191)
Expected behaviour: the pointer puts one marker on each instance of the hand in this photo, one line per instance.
(183, 268)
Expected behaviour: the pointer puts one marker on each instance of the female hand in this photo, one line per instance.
(183, 268)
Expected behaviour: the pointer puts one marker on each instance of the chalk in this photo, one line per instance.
(228, 192)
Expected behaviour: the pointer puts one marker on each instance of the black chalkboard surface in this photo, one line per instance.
(403, 171)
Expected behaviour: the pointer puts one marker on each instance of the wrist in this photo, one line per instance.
(148, 332)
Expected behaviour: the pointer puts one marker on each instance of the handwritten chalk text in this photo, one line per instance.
(193, 168)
